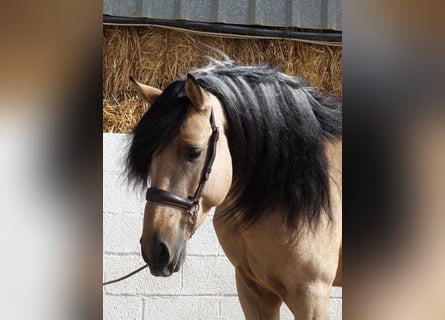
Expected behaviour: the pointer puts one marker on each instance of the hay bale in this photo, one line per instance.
(157, 56)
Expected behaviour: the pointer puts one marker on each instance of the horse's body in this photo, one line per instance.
(273, 266)
(275, 180)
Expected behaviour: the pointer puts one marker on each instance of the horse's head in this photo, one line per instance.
(175, 207)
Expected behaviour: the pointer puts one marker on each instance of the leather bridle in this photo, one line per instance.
(191, 203)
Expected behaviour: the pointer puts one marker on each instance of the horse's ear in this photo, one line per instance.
(197, 95)
(147, 93)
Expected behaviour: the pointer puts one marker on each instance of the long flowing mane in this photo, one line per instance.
(278, 126)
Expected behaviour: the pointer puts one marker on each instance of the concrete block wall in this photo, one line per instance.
(204, 288)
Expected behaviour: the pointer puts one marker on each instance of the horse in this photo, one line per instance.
(262, 147)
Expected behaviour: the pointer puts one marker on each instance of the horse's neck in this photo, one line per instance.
(334, 154)
(220, 115)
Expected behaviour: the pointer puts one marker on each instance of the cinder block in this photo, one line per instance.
(142, 283)
(221, 252)
(204, 241)
(336, 292)
(182, 308)
(121, 232)
(208, 276)
(122, 307)
(336, 309)
(115, 147)
(119, 197)
(285, 313)
(230, 308)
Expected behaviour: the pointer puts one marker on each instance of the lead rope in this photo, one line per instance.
(124, 277)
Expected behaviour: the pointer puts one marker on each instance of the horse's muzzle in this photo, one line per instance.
(161, 260)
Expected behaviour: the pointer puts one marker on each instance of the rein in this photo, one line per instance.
(191, 203)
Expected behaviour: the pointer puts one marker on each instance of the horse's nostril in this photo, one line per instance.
(157, 255)
(163, 254)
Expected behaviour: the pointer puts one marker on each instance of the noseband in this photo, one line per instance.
(191, 203)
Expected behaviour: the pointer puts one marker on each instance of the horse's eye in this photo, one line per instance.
(193, 154)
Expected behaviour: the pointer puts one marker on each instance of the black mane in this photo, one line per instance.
(277, 129)
(155, 129)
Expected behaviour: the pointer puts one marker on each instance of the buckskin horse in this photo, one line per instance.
(262, 147)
